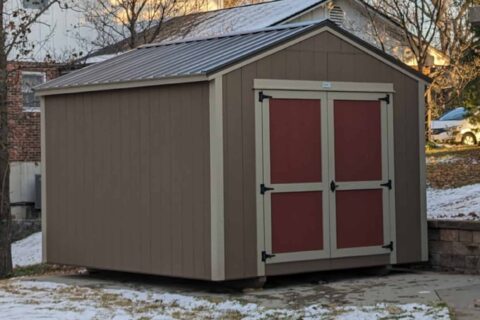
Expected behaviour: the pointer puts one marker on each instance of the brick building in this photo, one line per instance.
(24, 126)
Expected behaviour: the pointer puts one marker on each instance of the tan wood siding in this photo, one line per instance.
(128, 184)
(323, 57)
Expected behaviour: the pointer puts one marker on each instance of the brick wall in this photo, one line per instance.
(24, 142)
(455, 245)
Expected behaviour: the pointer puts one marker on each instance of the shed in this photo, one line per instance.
(284, 150)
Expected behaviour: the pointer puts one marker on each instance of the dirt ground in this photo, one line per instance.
(453, 167)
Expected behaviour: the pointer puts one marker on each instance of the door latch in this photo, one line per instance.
(333, 186)
(266, 256)
(264, 189)
(389, 246)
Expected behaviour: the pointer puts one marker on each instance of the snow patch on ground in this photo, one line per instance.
(28, 251)
(46, 300)
(456, 204)
(442, 160)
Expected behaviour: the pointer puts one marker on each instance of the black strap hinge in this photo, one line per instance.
(264, 189)
(266, 256)
(386, 99)
(388, 185)
(389, 246)
(262, 96)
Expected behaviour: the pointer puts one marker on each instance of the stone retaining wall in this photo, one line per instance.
(455, 245)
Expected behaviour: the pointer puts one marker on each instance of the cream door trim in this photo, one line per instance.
(328, 86)
(43, 145)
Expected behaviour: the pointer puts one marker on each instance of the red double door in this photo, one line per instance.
(325, 170)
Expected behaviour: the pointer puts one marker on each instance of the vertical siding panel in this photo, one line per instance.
(263, 70)
(135, 214)
(177, 166)
(196, 221)
(277, 66)
(234, 168)
(307, 68)
(77, 174)
(292, 64)
(63, 188)
(91, 221)
(401, 176)
(207, 212)
(188, 184)
(124, 229)
(54, 114)
(144, 176)
(116, 172)
(161, 183)
(410, 250)
(249, 183)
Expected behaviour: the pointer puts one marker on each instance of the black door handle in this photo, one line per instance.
(333, 186)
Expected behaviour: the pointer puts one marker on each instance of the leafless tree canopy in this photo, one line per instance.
(434, 24)
(135, 21)
(236, 3)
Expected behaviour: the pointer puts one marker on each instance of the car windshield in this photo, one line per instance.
(454, 115)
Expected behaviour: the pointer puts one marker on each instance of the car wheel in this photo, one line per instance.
(469, 139)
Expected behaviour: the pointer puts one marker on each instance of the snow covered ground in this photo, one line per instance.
(456, 204)
(28, 251)
(47, 300)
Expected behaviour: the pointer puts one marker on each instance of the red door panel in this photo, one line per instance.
(358, 141)
(297, 222)
(359, 218)
(295, 141)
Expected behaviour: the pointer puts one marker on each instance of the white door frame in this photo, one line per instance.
(363, 185)
(275, 87)
(297, 187)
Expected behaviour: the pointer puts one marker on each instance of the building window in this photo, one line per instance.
(30, 80)
(337, 15)
(34, 4)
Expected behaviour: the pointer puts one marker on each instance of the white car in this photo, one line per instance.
(454, 126)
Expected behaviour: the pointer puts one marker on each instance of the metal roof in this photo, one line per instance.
(196, 58)
(178, 59)
(244, 18)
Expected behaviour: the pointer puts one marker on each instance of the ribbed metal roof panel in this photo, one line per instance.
(178, 59)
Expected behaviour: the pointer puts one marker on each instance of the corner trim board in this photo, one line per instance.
(216, 180)
(44, 179)
(423, 182)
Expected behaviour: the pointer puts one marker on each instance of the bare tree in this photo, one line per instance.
(428, 25)
(132, 22)
(417, 21)
(15, 27)
(457, 39)
(236, 3)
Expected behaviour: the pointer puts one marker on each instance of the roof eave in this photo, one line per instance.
(121, 85)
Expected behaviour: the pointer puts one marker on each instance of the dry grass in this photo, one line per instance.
(453, 167)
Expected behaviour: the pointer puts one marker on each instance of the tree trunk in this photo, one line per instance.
(5, 215)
